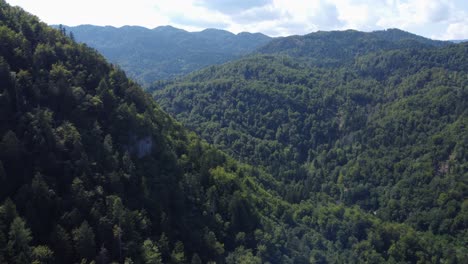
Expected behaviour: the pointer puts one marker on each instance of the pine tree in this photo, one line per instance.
(42, 255)
(178, 254)
(8, 212)
(103, 257)
(196, 259)
(10, 147)
(151, 253)
(61, 244)
(84, 241)
(19, 238)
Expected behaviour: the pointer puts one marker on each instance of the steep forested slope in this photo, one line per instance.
(91, 170)
(164, 52)
(387, 131)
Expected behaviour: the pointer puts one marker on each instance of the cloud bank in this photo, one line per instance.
(440, 19)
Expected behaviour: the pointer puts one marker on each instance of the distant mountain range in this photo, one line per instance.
(148, 55)
(164, 52)
(459, 40)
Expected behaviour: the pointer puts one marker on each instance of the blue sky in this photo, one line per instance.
(438, 19)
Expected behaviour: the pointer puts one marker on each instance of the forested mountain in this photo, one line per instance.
(333, 48)
(164, 52)
(93, 171)
(385, 131)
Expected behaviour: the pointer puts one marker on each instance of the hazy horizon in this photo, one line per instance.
(201, 30)
(435, 19)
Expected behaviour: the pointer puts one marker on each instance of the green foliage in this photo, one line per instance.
(94, 167)
(84, 239)
(61, 242)
(11, 147)
(97, 172)
(42, 255)
(19, 237)
(334, 48)
(178, 254)
(151, 254)
(241, 255)
(383, 131)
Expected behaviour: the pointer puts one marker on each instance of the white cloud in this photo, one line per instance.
(101, 12)
(325, 16)
(423, 11)
(186, 14)
(256, 14)
(231, 6)
(362, 15)
(430, 18)
(455, 30)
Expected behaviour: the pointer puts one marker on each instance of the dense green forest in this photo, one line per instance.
(148, 55)
(385, 131)
(93, 171)
(336, 48)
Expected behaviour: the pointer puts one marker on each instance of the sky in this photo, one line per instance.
(437, 19)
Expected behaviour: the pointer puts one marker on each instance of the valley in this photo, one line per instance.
(331, 147)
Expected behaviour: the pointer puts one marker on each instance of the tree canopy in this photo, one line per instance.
(92, 170)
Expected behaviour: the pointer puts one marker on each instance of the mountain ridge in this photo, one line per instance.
(165, 52)
(336, 47)
(185, 51)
